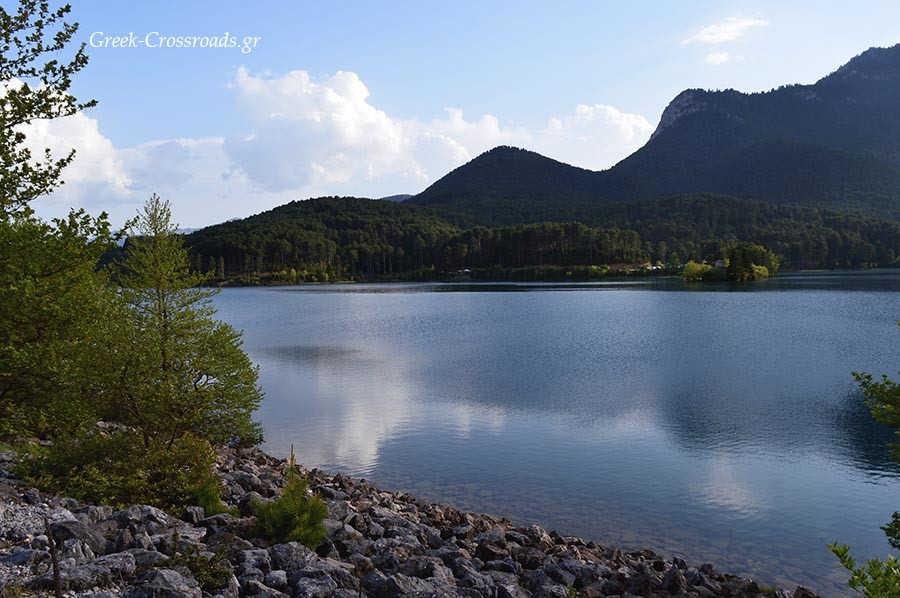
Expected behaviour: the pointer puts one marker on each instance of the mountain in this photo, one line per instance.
(833, 144)
(396, 198)
(508, 185)
(810, 171)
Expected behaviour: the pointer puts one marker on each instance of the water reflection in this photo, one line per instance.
(724, 489)
(338, 405)
(719, 426)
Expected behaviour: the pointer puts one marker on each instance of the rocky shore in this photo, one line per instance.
(379, 544)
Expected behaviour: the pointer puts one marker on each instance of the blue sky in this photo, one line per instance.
(380, 98)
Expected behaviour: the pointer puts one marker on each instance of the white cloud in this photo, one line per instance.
(96, 163)
(594, 137)
(477, 136)
(717, 58)
(727, 30)
(304, 137)
(309, 133)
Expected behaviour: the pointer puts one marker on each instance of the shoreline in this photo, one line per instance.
(379, 543)
(450, 279)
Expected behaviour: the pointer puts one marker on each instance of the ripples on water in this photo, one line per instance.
(715, 422)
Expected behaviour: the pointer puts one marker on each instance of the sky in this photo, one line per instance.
(381, 98)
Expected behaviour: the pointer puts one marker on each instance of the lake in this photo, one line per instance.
(718, 423)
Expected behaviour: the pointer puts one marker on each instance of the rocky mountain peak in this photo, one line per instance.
(687, 102)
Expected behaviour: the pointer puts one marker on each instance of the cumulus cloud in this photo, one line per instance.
(478, 135)
(717, 58)
(309, 133)
(96, 164)
(727, 30)
(303, 137)
(594, 137)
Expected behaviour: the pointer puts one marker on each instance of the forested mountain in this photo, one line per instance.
(342, 238)
(812, 172)
(509, 172)
(833, 144)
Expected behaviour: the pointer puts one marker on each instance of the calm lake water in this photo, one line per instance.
(716, 423)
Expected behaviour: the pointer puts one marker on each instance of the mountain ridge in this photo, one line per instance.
(833, 144)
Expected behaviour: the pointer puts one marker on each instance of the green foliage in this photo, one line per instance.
(892, 531)
(73, 348)
(750, 261)
(694, 272)
(120, 469)
(36, 81)
(760, 272)
(765, 590)
(295, 516)
(12, 591)
(54, 305)
(212, 572)
(181, 371)
(56, 311)
(532, 274)
(876, 578)
(208, 494)
(348, 238)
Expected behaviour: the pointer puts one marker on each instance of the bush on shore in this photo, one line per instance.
(296, 516)
(120, 470)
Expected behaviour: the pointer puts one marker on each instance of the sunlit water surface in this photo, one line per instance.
(718, 423)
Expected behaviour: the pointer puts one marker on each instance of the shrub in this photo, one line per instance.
(694, 272)
(296, 516)
(208, 495)
(120, 469)
(875, 579)
(212, 572)
(760, 272)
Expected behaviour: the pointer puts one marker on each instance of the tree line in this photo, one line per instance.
(337, 238)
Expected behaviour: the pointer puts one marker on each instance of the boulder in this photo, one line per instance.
(291, 556)
(257, 588)
(163, 583)
(258, 558)
(146, 559)
(673, 581)
(144, 518)
(277, 579)
(559, 575)
(103, 571)
(314, 587)
(68, 529)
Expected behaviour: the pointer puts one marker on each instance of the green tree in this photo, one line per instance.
(296, 516)
(694, 272)
(52, 299)
(181, 371)
(661, 251)
(751, 261)
(35, 85)
(56, 311)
